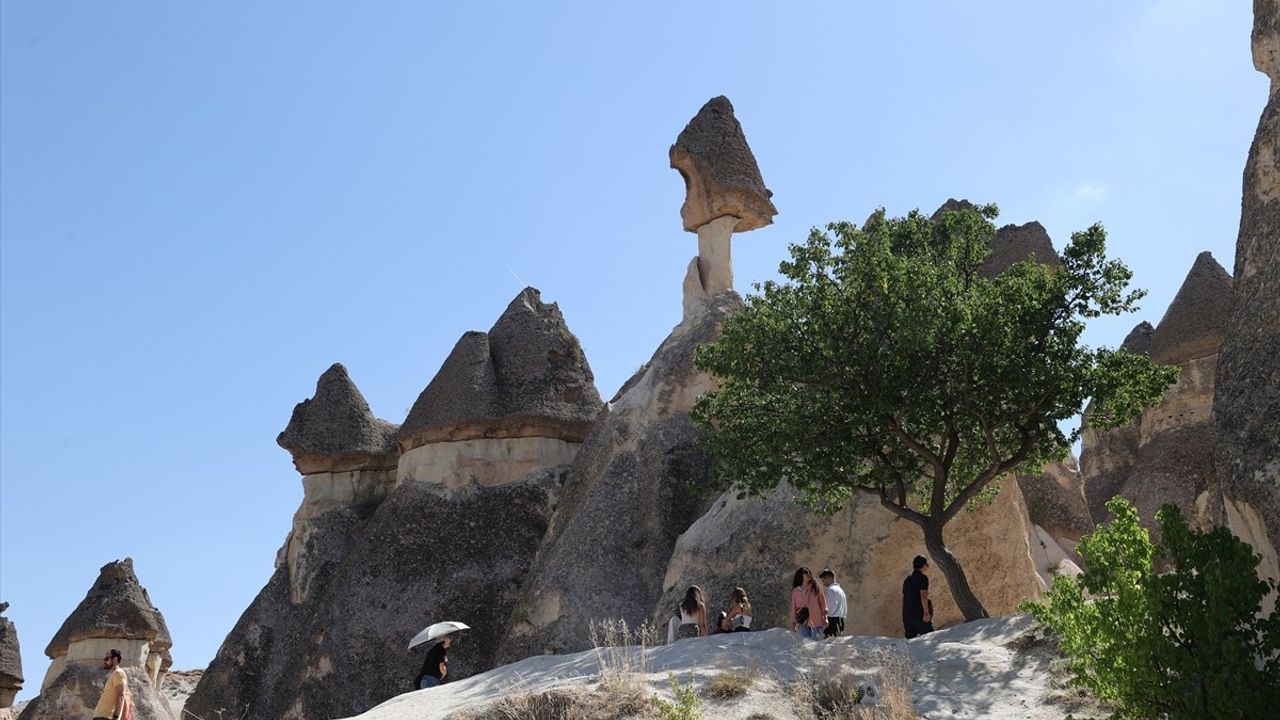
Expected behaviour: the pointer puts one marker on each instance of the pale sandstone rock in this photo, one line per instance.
(758, 544)
(720, 172)
(484, 462)
(1056, 503)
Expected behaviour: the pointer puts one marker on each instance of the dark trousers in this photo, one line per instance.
(915, 627)
(835, 627)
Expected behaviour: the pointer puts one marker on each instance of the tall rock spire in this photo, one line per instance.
(724, 194)
(1192, 326)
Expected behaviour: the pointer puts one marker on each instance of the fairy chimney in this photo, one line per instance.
(505, 402)
(724, 192)
(10, 663)
(347, 458)
(116, 613)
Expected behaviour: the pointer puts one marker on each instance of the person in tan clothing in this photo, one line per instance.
(111, 703)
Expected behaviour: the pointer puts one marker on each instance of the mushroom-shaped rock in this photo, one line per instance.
(335, 431)
(1193, 325)
(117, 606)
(1138, 341)
(720, 172)
(526, 377)
(10, 661)
(1016, 243)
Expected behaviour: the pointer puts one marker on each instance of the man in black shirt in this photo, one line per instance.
(917, 611)
(436, 666)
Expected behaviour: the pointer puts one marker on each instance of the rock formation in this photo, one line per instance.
(724, 194)
(758, 544)
(1247, 401)
(1166, 455)
(481, 459)
(1056, 505)
(347, 458)
(10, 664)
(116, 613)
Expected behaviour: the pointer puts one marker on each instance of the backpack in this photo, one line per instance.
(127, 711)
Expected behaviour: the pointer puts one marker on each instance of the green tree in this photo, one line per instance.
(886, 363)
(1189, 643)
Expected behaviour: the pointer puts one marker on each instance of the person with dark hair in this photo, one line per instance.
(808, 605)
(693, 616)
(111, 703)
(837, 603)
(917, 609)
(435, 668)
(740, 614)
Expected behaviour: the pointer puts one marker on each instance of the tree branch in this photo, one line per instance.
(991, 473)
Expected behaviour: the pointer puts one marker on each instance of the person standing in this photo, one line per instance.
(112, 700)
(436, 666)
(808, 605)
(837, 603)
(917, 611)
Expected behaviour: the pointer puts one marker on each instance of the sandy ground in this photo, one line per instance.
(983, 669)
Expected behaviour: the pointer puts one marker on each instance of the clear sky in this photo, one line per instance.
(204, 205)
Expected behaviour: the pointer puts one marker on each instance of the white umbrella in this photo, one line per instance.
(435, 632)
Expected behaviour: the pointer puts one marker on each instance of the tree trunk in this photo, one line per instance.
(964, 598)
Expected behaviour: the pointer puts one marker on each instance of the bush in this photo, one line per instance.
(687, 706)
(1189, 643)
(728, 685)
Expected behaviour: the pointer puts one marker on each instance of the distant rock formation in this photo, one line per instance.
(1247, 401)
(482, 456)
(1166, 455)
(116, 613)
(10, 664)
(1056, 504)
(1011, 243)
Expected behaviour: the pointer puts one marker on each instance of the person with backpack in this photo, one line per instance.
(808, 605)
(114, 703)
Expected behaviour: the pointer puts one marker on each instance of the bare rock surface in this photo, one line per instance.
(758, 544)
(177, 687)
(526, 377)
(116, 607)
(983, 669)
(1247, 400)
(1018, 243)
(336, 431)
(720, 172)
(75, 692)
(10, 660)
(1166, 454)
(626, 500)
(1055, 502)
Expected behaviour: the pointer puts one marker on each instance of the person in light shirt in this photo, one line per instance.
(111, 703)
(837, 604)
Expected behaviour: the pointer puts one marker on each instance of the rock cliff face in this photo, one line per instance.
(1166, 455)
(448, 534)
(758, 544)
(1056, 505)
(10, 664)
(116, 613)
(1247, 402)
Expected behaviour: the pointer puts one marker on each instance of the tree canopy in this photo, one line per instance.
(885, 362)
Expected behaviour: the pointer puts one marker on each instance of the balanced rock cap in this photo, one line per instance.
(526, 377)
(335, 430)
(1016, 243)
(117, 606)
(1195, 322)
(1138, 341)
(720, 173)
(10, 653)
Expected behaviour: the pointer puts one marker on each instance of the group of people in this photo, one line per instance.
(819, 607)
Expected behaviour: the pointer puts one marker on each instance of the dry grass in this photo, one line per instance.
(728, 685)
(620, 653)
(840, 696)
(605, 703)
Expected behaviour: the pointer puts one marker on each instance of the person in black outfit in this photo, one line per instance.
(436, 666)
(917, 609)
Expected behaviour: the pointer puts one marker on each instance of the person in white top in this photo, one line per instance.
(692, 612)
(837, 604)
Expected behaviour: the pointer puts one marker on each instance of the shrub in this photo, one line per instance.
(687, 706)
(728, 685)
(1189, 643)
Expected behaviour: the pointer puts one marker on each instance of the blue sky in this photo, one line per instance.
(204, 205)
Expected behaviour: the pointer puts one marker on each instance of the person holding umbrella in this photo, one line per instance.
(435, 668)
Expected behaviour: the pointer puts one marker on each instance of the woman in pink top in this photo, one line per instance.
(808, 605)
